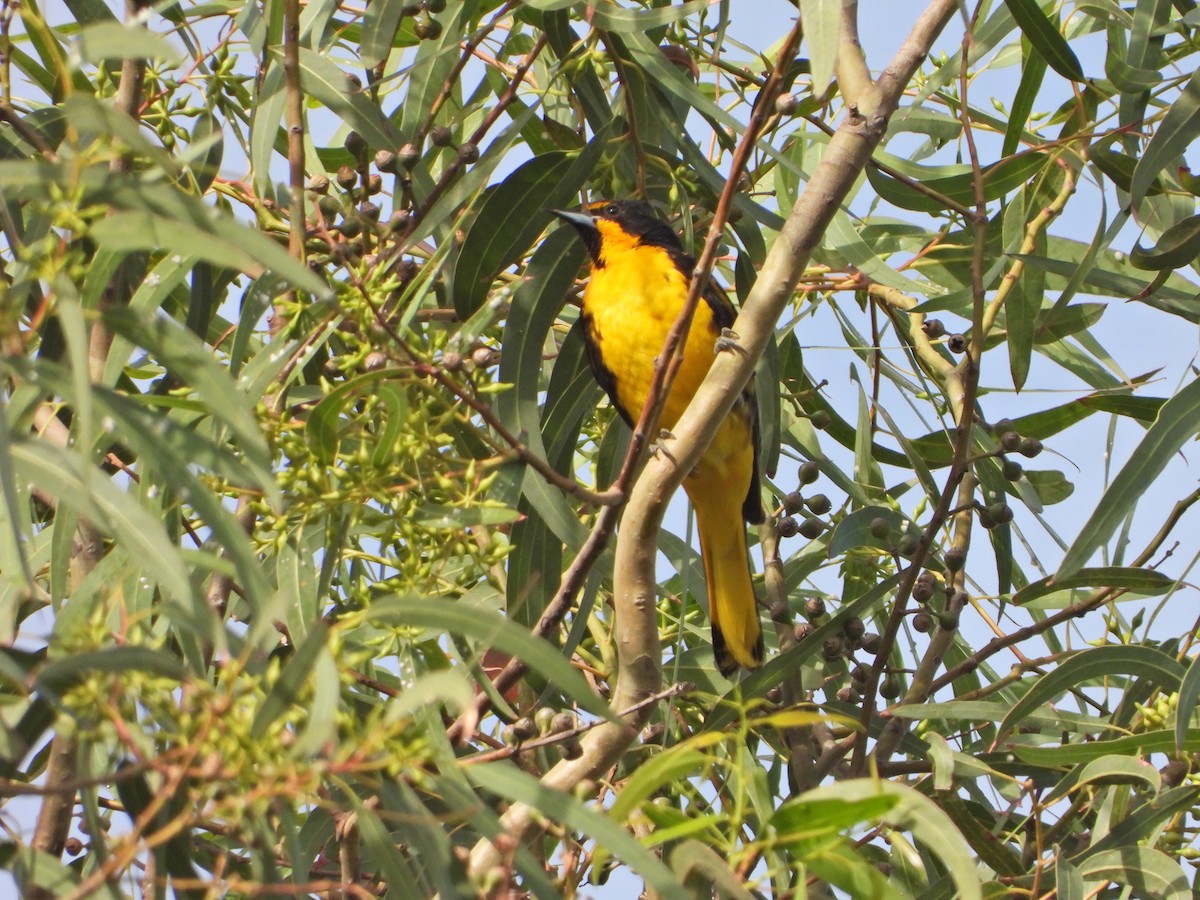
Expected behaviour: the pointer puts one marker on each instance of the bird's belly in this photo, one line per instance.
(633, 342)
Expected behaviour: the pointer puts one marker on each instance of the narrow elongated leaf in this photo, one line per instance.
(1177, 422)
(1138, 744)
(61, 674)
(397, 871)
(1149, 872)
(956, 183)
(917, 814)
(34, 871)
(113, 40)
(187, 358)
(804, 817)
(1021, 315)
(858, 529)
(696, 863)
(613, 18)
(513, 214)
(1046, 38)
(61, 474)
(327, 84)
(1033, 73)
(1068, 883)
(266, 114)
(1189, 693)
(1145, 581)
(1109, 770)
(666, 767)
(1172, 137)
(223, 242)
(1096, 665)
(1178, 246)
(822, 20)
(380, 24)
(498, 632)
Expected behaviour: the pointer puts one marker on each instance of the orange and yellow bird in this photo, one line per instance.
(638, 287)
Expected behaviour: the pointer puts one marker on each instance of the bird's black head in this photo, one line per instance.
(625, 222)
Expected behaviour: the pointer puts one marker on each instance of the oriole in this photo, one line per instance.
(639, 283)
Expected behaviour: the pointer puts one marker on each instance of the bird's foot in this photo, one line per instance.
(728, 341)
(660, 446)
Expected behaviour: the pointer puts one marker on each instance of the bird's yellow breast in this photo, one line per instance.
(634, 297)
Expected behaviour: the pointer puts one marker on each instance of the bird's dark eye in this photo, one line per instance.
(611, 209)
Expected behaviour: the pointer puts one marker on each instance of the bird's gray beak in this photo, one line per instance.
(580, 220)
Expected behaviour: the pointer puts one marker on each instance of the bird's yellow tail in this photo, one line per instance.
(732, 608)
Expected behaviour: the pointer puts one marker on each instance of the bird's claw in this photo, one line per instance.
(659, 446)
(727, 341)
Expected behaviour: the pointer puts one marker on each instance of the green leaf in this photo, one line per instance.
(1177, 422)
(1145, 581)
(1174, 134)
(1141, 823)
(1046, 38)
(1189, 693)
(956, 183)
(534, 309)
(221, 241)
(436, 515)
(493, 631)
(977, 824)
(58, 676)
(385, 853)
(854, 531)
(1134, 745)
(322, 431)
(1144, 409)
(1178, 246)
(1096, 664)
(266, 114)
(822, 20)
(613, 18)
(64, 476)
(113, 40)
(1050, 485)
(1021, 310)
(508, 781)
(1150, 873)
(697, 864)
(36, 872)
(673, 764)
(380, 24)
(331, 87)
(1063, 321)
(804, 817)
(188, 359)
(912, 812)
(1119, 167)
(1109, 770)
(1033, 72)
(1068, 883)
(512, 215)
